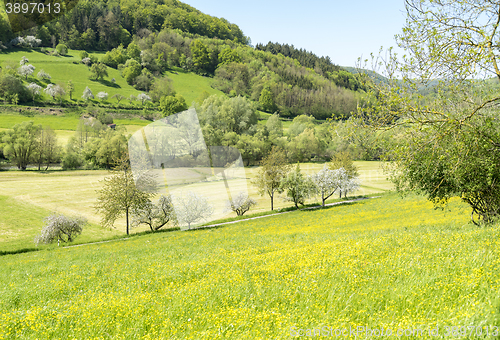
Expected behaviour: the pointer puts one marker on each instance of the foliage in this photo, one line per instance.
(20, 143)
(120, 196)
(240, 204)
(61, 228)
(274, 168)
(297, 186)
(192, 208)
(47, 150)
(99, 71)
(200, 55)
(62, 49)
(155, 216)
(266, 100)
(433, 154)
(170, 105)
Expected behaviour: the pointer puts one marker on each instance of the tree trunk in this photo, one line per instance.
(272, 202)
(126, 212)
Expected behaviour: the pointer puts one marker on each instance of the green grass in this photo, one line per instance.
(74, 192)
(191, 85)
(382, 263)
(62, 69)
(7, 121)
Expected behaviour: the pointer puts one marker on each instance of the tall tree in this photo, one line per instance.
(274, 168)
(200, 55)
(46, 151)
(298, 187)
(120, 195)
(21, 142)
(451, 144)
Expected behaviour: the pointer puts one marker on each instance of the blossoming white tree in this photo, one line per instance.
(102, 95)
(26, 70)
(87, 94)
(143, 97)
(43, 75)
(240, 204)
(34, 89)
(329, 181)
(61, 228)
(192, 208)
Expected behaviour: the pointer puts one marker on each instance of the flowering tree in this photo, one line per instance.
(31, 41)
(61, 228)
(54, 90)
(155, 215)
(192, 208)
(328, 181)
(43, 75)
(34, 89)
(26, 70)
(86, 61)
(143, 97)
(23, 61)
(240, 204)
(102, 95)
(87, 94)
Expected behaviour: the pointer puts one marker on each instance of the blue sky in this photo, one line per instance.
(343, 30)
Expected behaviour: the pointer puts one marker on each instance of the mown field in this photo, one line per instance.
(74, 193)
(387, 263)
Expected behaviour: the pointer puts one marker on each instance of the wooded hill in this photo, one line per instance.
(147, 38)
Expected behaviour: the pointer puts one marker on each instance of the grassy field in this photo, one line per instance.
(74, 192)
(386, 263)
(62, 69)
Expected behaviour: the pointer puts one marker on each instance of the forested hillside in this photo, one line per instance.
(145, 39)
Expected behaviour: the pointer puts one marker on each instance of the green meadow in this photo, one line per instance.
(65, 68)
(383, 263)
(74, 193)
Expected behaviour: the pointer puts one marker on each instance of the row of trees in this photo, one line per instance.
(275, 176)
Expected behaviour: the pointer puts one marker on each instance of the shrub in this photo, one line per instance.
(62, 49)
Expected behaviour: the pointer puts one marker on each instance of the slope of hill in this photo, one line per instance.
(383, 263)
(68, 68)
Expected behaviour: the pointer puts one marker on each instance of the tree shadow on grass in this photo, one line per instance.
(106, 83)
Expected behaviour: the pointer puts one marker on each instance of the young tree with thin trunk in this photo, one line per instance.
(192, 208)
(240, 204)
(274, 168)
(298, 187)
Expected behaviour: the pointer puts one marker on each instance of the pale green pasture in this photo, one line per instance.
(74, 192)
